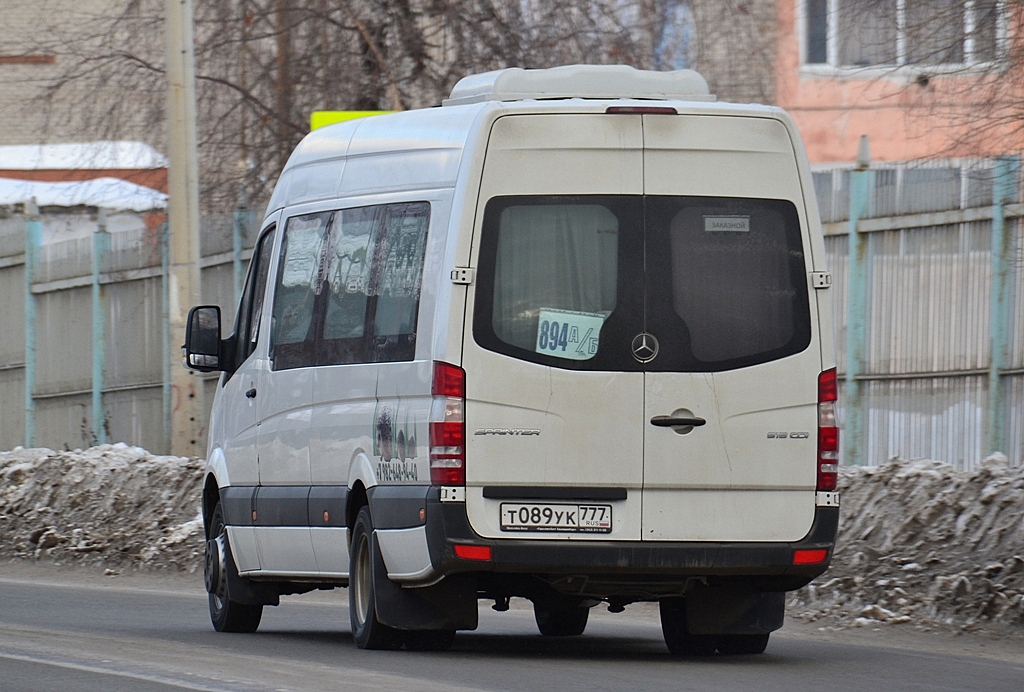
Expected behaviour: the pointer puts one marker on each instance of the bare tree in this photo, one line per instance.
(955, 68)
(982, 96)
(264, 65)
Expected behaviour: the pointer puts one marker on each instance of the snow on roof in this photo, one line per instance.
(84, 156)
(108, 193)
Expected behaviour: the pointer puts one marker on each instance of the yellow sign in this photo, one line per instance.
(323, 118)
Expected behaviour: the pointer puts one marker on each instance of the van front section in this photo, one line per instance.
(642, 363)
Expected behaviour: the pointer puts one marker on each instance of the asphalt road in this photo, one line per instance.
(75, 630)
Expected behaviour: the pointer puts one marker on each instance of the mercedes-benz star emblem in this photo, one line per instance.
(645, 347)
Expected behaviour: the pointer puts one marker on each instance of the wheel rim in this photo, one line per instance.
(361, 580)
(219, 593)
(218, 602)
(213, 574)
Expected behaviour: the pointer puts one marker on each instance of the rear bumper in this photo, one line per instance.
(769, 566)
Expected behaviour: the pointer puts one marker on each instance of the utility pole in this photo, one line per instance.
(187, 410)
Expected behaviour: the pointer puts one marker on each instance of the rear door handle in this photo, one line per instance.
(250, 393)
(671, 422)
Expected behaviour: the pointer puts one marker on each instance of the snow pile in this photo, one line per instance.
(109, 193)
(920, 542)
(113, 506)
(81, 156)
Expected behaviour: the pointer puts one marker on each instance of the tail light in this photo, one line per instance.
(448, 425)
(812, 556)
(828, 431)
(473, 552)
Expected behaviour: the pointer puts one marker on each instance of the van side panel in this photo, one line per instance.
(341, 428)
(406, 170)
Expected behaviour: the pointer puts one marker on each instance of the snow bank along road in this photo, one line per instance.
(921, 545)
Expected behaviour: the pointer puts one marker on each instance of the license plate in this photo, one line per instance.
(578, 518)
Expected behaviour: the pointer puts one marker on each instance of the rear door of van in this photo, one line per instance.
(641, 331)
(729, 302)
(554, 426)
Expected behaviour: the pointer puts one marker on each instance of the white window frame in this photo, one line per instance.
(832, 67)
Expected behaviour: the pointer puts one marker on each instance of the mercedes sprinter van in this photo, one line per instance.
(566, 337)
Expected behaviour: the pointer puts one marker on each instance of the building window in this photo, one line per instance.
(892, 33)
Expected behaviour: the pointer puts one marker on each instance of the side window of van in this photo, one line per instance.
(373, 276)
(396, 281)
(298, 286)
(253, 294)
(247, 320)
(348, 286)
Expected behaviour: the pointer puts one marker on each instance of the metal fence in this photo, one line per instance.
(937, 376)
(940, 373)
(86, 323)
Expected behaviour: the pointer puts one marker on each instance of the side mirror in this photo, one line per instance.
(202, 349)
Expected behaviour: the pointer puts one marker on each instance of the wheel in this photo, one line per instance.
(429, 640)
(561, 620)
(741, 644)
(367, 631)
(677, 633)
(226, 615)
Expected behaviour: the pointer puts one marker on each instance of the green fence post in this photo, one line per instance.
(856, 311)
(1006, 175)
(100, 247)
(33, 241)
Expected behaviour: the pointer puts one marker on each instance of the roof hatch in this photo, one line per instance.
(579, 81)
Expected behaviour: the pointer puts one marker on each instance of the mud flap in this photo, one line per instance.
(721, 610)
(248, 591)
(451, 604)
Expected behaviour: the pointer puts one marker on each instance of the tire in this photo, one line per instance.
(677, 633)
(561, 620)
(225, 614)
(742, 644)
(429, 640)
(367, 631)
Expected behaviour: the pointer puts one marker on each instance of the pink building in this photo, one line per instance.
(921, 78)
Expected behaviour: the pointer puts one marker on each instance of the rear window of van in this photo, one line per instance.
(720, 283)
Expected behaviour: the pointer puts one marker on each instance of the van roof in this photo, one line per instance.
(579, 81)
(423, 148)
